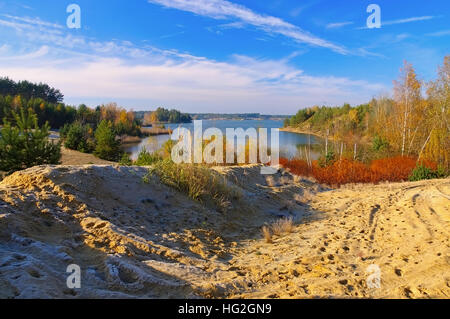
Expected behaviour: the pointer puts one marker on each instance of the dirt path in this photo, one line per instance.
(70, 157)
(402, 229)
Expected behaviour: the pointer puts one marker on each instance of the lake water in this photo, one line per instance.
(291, 144)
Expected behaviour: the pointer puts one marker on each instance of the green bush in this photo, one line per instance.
(146, 158)
(64, 130)
(78, 138)
(328, 159)
(125, 160)
(107, 147)
(26, 144)
(442, 172)
(379, 144)
(422, 172)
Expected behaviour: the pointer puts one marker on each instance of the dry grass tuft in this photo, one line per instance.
(278, 228)
(267, 234)
(283, 226)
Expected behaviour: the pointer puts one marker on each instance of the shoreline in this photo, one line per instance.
(149, 132)
(299, 131)
(153, 131)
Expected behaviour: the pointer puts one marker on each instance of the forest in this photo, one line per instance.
(413, 123)
(162, 115)
(28, 107)
(28, 90)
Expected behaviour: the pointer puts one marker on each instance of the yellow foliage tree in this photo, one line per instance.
(407, 96)
(437, 145)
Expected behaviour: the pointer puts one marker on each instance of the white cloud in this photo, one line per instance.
(439, 33)
(407, 20)
(144, 77)
(197, 85)
(41, 52)
(34, 21)
(338, 25)
(222, 9)
(401, 21)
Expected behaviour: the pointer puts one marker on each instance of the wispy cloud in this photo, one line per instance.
(222, 9)
(26, 7)
(338, 25)
(144, 76)
(33, 21)
(232, 25)
(171, 35)
(295, 12)
(406, 20)
(439, 33)
(41, 52)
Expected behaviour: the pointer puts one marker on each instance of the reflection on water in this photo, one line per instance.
(151, 144)
(291, 144)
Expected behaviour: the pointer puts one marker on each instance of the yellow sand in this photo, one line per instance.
(136, 239)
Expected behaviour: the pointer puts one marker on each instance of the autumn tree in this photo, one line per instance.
(150, 118)
(437, 143)
(408, 102)
(109, 112)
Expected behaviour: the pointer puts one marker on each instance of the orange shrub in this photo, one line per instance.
(342, 172)
(296, 166)
(394, 169)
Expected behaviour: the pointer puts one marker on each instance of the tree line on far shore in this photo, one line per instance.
(162, 115)
(408, 124)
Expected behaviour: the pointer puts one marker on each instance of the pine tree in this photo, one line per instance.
(26, 144)
(108, 148)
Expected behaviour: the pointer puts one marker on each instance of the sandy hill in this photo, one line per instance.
(143, 239)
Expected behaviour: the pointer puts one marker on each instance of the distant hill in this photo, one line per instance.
(236, 116)
(225, 116)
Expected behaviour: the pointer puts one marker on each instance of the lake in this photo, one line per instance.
(291, 144)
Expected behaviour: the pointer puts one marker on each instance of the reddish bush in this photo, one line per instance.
(296, 166)
(346, 171)
(342, 172)
(396, 169)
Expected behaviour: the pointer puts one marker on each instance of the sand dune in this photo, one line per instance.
(136, 239)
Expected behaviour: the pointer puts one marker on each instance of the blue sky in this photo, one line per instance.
(272, 57)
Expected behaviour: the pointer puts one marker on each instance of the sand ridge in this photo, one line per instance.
(145, 240)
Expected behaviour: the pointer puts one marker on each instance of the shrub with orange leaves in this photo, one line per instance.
(396, 169)
(344, 171)
(296, 166)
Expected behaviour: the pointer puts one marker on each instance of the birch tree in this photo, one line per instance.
(437, 144)
(407, 96)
